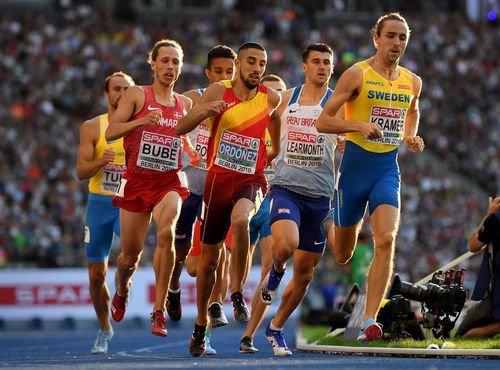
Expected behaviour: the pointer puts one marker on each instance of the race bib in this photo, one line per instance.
(306, 150)
(121, 189)
(159, 152)
(392, 123)
(237, 152)
(111, 177)
(183, 180)
(201, 145)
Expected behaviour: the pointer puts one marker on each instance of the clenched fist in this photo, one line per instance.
(414, 144)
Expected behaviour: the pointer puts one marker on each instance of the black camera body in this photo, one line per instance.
(442, 300)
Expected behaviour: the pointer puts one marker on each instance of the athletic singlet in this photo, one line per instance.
(269, 171)
(305, 164)
(155, 150)
(107, 180)
(196, 175)
(237, 144)
(383, 102)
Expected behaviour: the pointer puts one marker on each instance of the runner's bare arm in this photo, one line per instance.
(274, 126)
(210, 104)
(194, 95)
(191, 151)
(347, 89)
(130, 104)
(86, 166)
(412, 141)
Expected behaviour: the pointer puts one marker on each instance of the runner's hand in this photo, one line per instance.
(153, 117)
(371, 131)
(195, 157)
(214, 108)
(341, 143)
(414, 144)
(107, 157)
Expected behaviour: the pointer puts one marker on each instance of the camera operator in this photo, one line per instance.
(483, 319)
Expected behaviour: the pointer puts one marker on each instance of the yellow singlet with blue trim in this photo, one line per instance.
(107, 180)
(383, 102)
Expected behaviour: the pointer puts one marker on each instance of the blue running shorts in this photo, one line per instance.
(190, 209)
(365, 178)
(102, 223)
(306, 212)
(259, 224)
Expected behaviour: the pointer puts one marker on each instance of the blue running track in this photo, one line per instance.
(136, 348)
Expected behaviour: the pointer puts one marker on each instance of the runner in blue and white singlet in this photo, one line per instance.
(301, 190)
(302, 183)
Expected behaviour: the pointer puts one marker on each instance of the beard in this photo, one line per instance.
(248, 83)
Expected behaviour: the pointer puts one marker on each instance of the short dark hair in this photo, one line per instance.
(250, 45)
(108, 79)
(153, 53)
(274, 78)
(377, 28)
(220, 51)
(271, 77)
(317, 46)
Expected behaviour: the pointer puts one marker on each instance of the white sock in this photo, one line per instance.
(272, 327)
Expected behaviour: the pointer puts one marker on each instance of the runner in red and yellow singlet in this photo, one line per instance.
(241, 110)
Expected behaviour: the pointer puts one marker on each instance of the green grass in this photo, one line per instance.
(317, 335)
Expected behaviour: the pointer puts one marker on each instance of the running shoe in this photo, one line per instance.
(101, 342)
(270, 285)
(241, 312)
(197, 342)
(158, 323)
(209, 350)
(118, 307)
(174, 306)
(370, 331)
(246, 345)
(275, 337)
(217, 316)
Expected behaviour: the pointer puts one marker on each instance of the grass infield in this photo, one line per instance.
(318, 335)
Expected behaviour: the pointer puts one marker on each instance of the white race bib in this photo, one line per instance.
(391, 121)
(237, 152)
(111, 177)
(201, 144)
(305, 149)
(159, 152)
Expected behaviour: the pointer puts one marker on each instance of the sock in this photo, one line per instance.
(272, 327)
(200, 329)
(174, 291)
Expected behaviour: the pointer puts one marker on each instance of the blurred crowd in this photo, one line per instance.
(52, 69)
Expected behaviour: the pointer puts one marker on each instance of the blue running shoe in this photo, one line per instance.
(270, 285)
(370, 331)
(324, 229)
(209, 350)
(275, 337)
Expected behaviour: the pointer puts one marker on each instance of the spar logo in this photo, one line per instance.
(44, 295)
(241, 140)
(387, 112)
(202, 139)
(113, 167)
(305, 137)
(154, 138)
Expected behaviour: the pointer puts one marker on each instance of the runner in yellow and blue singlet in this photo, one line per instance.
(103, 163)
(380, 99)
